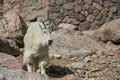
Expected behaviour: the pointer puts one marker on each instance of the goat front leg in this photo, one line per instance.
(43, 71)
(30, 67)
(42, 64)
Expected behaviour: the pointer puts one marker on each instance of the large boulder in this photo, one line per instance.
(12, 26)
(6, 74)
(9, 46)
(70, 43)
(110, 31)
(12, 31)
(10, 62)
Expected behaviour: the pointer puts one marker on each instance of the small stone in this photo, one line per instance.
(68, 6)
(53, 9)
(87, 59)
(69, 77)
(67, 26)
(53, 16)
(99, 1)
(97, 6)
(100, 22)
(85, 7)
(58, 20)
(94, 26)
(74, 21)
(80, 2)
(78, 8)
(57, 56)
(69, 0)
(88, 2)
(85, 25)
(85, 13)
(113, 9)
(96, 12)
(107, 4)
(59, 2)
(115, 1)
(66, 19)
(52, 2)
(68, 12)
(91, 9)
(77, 65)
(103, 13)
(80, 17)
(90, 18)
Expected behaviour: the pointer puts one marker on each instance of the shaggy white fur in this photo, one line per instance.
(37, 40)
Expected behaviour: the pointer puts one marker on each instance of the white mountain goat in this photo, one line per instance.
(37, 40)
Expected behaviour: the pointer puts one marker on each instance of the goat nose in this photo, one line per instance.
(50, 41)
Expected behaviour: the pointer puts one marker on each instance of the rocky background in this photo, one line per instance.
(86, 37)
(86, 14)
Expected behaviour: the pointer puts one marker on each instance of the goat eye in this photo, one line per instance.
(44, 31)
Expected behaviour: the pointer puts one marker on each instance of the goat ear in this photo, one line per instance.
(39, 19)
(47, 23)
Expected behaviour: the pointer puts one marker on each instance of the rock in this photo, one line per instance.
(103, 13)
(85, 7)
(113, 9)
(13, 27)
(54, 16)
(79, 53)
(116, 50)
(87, 59)
(6, 74)
(53, 9)
(94, 27)
(78, 8)
(84, 26)
(70, 44)
(108, 33)
(67, 26)
(57, 56)
(99, 1)
(59, 2)
(69, 0)
(107, 4)
(90, 18)
(24, 75)
(80, 17)
(9, 46)
(77, 65)
(96, 12)
(88, 2)
(74, 21)
(97, 6)
(68, 6)
(10, 62)
(69, 77)
(85, 13)
(111, 46)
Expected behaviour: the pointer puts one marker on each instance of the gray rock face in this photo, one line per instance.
(110, 33)
(9, 46)
(13, 27)
(6, 74)
(12, 30)
(72, 44)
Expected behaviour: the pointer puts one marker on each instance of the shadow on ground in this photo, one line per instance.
(58, 71)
